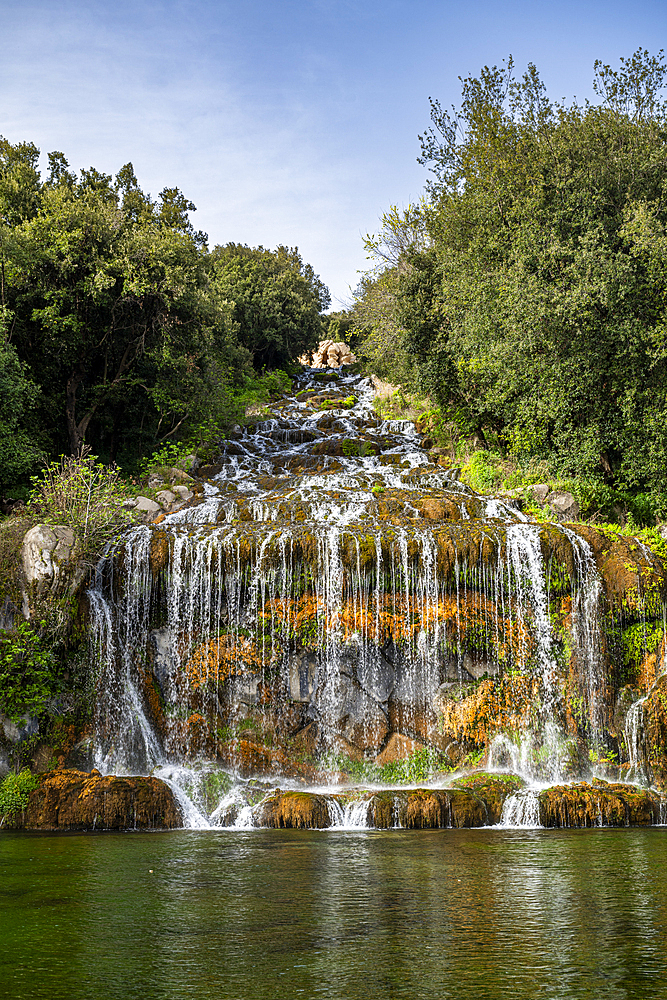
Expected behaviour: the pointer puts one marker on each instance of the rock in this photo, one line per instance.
(166, 498)
(302, 677)
(479, 668)
(564, 505)
(598, 803)
(46, 551)
(243, 688)
(294, 810)
(208, 471)
(347, 708)
(27, 726)
(538, 491)
(398, 748)
(492, 789)
(189, 464)
(80, 757)
(5, 765)
(183, 492)
(175, 475)
(148, 505)
(74, 800)
(376, 678)
(162, 659)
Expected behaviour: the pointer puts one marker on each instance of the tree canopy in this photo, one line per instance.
(529, 288)
(119, 328)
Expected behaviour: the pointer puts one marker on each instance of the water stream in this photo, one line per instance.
(332, 585)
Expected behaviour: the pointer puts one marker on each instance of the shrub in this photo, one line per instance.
(83, 494)
(15, 791)
(28, 673)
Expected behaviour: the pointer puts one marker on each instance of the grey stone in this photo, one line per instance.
(303, 676)
(415, 683)
(5, 764)
(564, 505)
(8, 612)
(538, 491)
(478, 668)
(26, 726)
(166, 498)
(243, 688)
(183, 492)
(150, 506)
(162, 659)
(347, 708)
(44, 551)
(81, 755)
(377, 678)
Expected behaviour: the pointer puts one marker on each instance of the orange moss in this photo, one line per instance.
(505, 704)
(472, 621)
(213, 661)
(158, 554)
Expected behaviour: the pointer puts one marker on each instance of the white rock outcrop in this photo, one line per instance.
(329, 354)
(46, 549)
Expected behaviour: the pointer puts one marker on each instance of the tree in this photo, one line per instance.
(18, 452)
(278, 300)
(535, 306)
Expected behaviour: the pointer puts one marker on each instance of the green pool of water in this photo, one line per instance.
(281, 914)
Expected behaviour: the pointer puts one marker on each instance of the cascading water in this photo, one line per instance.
(331, 585)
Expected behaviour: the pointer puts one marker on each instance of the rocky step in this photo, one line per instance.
(473, 801)
(76, 800)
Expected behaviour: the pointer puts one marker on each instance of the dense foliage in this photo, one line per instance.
(28, 672)
(527, 293)
(118, 328)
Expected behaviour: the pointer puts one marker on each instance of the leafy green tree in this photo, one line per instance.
(534, 302)
(278, 300)
(19, 453)
(125, 331)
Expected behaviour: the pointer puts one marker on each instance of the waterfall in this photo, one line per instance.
(333, 585)
(522, 810)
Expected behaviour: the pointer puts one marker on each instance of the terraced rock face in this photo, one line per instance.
(335, 593)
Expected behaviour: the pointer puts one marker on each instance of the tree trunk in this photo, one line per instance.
(73, 430)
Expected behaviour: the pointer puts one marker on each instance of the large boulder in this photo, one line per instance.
(48, 554)
(329, 354)
(74, 800)
(564, 506)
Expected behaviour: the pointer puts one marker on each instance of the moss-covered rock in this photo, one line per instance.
(598, 803)
(75, 800)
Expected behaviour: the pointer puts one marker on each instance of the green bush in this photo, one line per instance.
(419, 766)
(28, 673)
(83, 494)
(15, 791)
(483, 471)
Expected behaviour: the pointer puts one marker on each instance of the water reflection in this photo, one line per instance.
(345, 915)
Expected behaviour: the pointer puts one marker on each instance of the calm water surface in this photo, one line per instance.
(281, 914)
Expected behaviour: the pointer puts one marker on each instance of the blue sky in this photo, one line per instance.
(291, 121)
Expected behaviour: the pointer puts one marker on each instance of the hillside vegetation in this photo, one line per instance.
(120, 331)
(523, 300)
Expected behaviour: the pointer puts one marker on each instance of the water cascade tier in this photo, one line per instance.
(333, 601)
